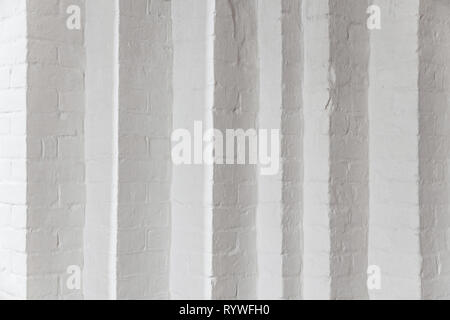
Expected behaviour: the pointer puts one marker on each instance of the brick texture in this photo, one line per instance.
(87, 180)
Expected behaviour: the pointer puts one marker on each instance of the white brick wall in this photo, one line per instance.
(128, 125)
(394, 150)
(13, 150)
(279, 240)
(191, 193)
(270, 206)
(55, 149)
(144, 129)
(101, 144)
(316, 151)
(349, 146)
(434, 149)
(86, 177)
(235, 106)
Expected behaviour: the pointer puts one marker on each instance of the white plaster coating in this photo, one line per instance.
(434, 129)
(100, 230)
(55, 149)
(236, 96)
(349, 139)
(316, 151)
(394, 151)
(278, 219)
(193, 81)
(13, 150)
(86, 177)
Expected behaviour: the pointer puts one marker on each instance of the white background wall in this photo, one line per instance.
(13, 172)
(86, 177)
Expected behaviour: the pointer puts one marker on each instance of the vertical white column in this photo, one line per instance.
(269, 219)
(101, 126)
(317, 104)
(193, 78)
(13, 151)
(394, 151)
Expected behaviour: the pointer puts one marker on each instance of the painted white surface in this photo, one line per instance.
(86, 177)
(394, 242)
(13, 150)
